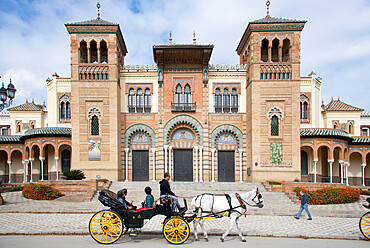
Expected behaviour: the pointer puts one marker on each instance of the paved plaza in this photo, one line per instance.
(24, 216)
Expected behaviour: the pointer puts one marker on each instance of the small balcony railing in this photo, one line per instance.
(139, 109)
(183, 107)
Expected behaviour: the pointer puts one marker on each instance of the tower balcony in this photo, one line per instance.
(183, 107)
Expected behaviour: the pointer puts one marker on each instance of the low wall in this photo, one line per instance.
(289, 186)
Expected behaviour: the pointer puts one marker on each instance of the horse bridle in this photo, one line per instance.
(258, 204)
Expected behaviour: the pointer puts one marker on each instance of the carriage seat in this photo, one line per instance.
(109, 199)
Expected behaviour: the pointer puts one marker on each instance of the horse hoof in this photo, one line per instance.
(243, 240)
(206, 239)
(222, 240)
(196, 239)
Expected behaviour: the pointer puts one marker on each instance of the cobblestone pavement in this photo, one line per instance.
(253, 225)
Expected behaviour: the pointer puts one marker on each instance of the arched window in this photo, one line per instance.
(147, 101)
(218, 101)
(350, 128)
(304, 108)
(275, 117)
(178, 94)
(234, 100)
(62, 110)
(19, 127)
(226, 101)
(274, 126)
(83, 52)
(68, 110)
(32, 125)
(275, 50)
(264, 50)
(187, 94)
(94, 125)
(93, 52)
(139, 100)
(103, 52)
(131, 100)
(286, 50)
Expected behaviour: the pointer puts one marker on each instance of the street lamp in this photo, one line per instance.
(5, 94)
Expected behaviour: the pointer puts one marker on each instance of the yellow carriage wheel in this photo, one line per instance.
(365, 225)
(106, 227)
(176, 230)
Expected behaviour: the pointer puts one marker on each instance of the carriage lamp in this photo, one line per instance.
(98, 177)
(5, 94)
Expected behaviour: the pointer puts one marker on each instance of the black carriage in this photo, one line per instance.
(107, 226)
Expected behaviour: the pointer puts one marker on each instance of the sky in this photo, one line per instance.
(335, 43)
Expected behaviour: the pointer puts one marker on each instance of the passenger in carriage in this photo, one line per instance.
(149, 200)
(121, 196)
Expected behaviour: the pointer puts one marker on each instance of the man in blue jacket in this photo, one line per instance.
(304, 205)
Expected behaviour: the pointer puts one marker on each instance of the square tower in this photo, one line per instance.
(270, 47)
(97, 52)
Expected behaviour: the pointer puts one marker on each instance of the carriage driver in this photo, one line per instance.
(166, 190)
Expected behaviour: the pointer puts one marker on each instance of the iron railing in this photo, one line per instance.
(183, 107)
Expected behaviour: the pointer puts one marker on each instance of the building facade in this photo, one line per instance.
(255, 121)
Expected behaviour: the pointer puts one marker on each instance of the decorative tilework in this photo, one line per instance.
(226, 138)
(276, 151)
(356, 148)
(94, 150)
(140, 138)
(52, 140)
(182, 134)
(337, 142)
(183, 119)
(33, 141)
(307, 141)
(231, 129)
(141, 128)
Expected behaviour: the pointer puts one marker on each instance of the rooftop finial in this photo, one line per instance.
(170, 39)
(194, 39)
(98, 6)
(268, 8)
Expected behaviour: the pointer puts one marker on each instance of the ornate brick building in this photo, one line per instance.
(255, 121)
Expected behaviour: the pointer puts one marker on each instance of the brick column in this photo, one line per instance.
(201, 163)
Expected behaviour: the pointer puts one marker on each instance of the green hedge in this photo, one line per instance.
(274, 183)
(40, 192)
(329, 195)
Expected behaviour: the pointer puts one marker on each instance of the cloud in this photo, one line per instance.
(35, 42)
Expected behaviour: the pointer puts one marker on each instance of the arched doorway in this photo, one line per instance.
(17, 168)
(226, 145)
(66, 160)
(324, 165)
(355, 170)
(4, 170)
(140, 156)
(49, 163)
(367, 170)
(304, 163)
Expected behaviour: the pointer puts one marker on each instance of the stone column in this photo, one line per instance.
(126, 165)
(280, 53)
(200, 163)
(341, 162)
(169, 162)
(241, 164)
(196, 163)
(331, 161)
(25, 169)
(31, 160)
(98, 50)
(153, 151)
(363, 174)
(88, 53)
(314, 169)
(10, 171)
(42, 167)
(57, 165)
(165, 158)
(269, 52)
(213, 150)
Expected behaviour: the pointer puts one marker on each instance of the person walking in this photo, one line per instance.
(304, 205)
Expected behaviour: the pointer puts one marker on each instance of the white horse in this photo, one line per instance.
(219, 205)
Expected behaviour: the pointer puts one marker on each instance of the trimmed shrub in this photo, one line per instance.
(103, 180)
(73, 175)
(274, 183)
(329, 195)
(15, 188)
(40, 192)
(296, 180)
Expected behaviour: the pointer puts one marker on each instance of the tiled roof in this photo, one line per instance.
(365, 114)
(268, 19)
(337, 105)
(28, 106)
(361, 140)
(323, 132)
(48, 131)
(95, 22)
(10, 138)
